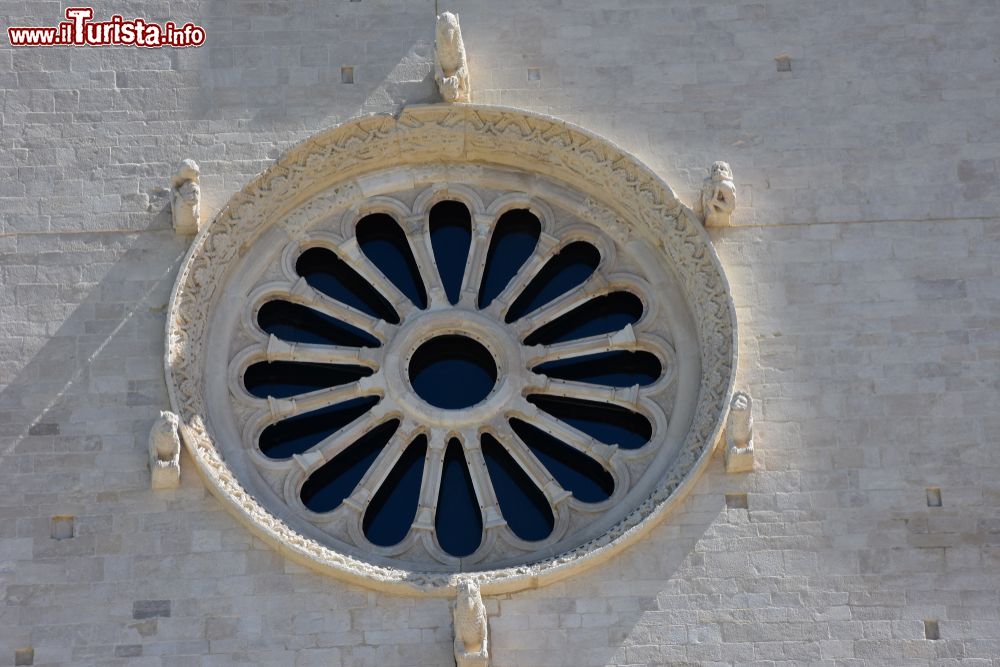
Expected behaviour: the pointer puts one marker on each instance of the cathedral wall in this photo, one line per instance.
(864, 265)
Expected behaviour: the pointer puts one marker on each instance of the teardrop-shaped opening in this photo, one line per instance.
(568, 269)
(576, 472)
(451, 236)
(391, 512)
(613, 369)
(601, 315)
(383, 242)
(327, 487)
(514, 239)
(299, 433)
(327, 273)
(459, 521)
(282, 379)
(523, 505)
(611, 424)
(295, 323)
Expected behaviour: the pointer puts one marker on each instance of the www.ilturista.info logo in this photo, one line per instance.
(79, 30)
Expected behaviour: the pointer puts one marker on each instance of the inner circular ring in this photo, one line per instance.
(452, 372)
(501, 346)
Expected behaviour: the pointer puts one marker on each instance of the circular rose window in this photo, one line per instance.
(470, 340)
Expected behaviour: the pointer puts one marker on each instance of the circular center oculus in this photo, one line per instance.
(452, 372)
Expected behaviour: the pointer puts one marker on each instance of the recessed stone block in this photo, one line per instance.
(24, 656)
(62, 527)
(933, 496)
(44, 428)
(736, 501)
(150, 609)
(128, 651)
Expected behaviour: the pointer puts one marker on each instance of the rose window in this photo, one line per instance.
(464, 340)
(462, 383)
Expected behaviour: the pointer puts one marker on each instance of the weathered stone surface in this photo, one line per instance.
(862, 258)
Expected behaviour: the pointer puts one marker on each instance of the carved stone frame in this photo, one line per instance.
(344, 165)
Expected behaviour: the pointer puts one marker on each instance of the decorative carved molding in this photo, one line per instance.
(349, 162)
(718, 196)
(165, 452)
(739, 434)
(471, 631)
(185, 198)
(451, 68)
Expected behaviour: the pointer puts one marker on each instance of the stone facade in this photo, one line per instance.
(863, 260)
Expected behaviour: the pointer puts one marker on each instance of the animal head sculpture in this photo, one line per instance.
(721, 171)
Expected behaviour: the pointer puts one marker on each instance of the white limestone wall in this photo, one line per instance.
(866, 270)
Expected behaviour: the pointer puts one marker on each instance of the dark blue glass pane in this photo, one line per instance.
(297, 434)
(573, 265)
(296, 323)
(382, 240)
(452, 372)
(459, 523)
(327, 487)
(451, 234)
(576, 472)
(282, 379)
(524, 506)
(610, 424)
(514, 239)
(329, 274)
(601, 315)
(390, 513)
(614, 369)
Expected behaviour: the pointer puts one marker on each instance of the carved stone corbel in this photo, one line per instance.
(739, 434)
(718, 196)
(451, 68)
(165, 452)
(185, 198)
(471, 640)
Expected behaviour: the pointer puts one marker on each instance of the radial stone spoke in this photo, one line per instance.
(381, 467)
(423, 254)
(620, 340)
(571, 436)
(280, 350)
(283, 408)
(476, 262)
(492, 516)
(430, 485)
(335, 443)
(626, 397)
(302, 292)
(524, 457)
(351, 253)
(547, 248)
(594, 286)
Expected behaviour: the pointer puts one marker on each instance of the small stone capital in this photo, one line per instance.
(165, 452)
(718, 196)
(471, 633)
(451, 67)
(185, 198)
(739, 434)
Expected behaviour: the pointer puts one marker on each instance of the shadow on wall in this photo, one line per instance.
(307, 66)
(615, 611)
(75, 416)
